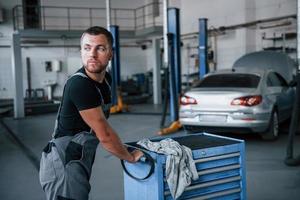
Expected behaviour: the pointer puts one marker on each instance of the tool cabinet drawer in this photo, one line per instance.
(220, 163)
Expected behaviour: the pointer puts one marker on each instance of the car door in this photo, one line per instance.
(283, 94)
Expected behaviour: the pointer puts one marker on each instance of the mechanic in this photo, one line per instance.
(67, 160)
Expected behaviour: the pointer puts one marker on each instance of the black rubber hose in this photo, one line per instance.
(289, 159)
(148, 160)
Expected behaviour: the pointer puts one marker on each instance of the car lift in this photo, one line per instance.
(289, 159)
(174, 67)
(117, 101)
(202, 55)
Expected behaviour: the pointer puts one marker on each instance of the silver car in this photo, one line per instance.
(238, 100)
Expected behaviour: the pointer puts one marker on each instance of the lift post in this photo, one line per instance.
(174, 28)
(174, 68)
(202, 52)
(117, 101)
(172, 79)
(290, 160)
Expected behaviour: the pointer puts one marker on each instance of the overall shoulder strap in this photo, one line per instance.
(79, 74)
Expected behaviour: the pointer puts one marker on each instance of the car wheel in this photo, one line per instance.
(273, 129)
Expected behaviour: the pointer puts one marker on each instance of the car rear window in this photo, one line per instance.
(230, 80)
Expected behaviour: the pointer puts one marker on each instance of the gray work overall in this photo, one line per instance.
(66, 164)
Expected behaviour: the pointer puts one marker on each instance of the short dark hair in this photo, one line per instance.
(98, 30)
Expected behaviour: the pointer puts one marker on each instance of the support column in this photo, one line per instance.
(156, 72)
(17, 76)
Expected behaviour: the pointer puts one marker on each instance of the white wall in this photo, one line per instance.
(237, 42)
(230, 46)
(6, 90)
(38, 71)
(5, 74)
(133, 60)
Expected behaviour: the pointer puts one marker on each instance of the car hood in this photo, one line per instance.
(263, 60)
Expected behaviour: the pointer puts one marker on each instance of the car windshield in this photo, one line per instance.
(230, 80)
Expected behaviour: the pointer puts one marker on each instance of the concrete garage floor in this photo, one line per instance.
(21, 142)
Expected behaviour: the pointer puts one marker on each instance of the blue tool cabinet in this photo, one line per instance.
(220, 162)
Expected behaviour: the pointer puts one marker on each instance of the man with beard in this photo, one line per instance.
(81, 123)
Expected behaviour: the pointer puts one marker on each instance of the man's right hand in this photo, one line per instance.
(136, 154)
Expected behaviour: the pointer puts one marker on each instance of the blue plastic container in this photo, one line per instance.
(220, 163)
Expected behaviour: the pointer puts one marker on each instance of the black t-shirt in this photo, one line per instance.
(81, 93)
